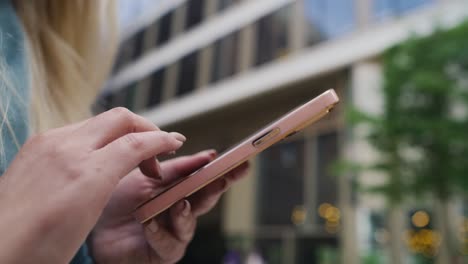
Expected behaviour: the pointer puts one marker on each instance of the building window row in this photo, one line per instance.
(271, 39)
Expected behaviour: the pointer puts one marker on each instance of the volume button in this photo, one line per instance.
(266, 137)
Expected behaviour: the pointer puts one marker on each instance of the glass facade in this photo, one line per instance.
(271, 250)
(224, 4)
(328, 19)
(383, 9)
(225, 57)
(129, 51)
(187, 74)
(195, 10)
(138, 45)
(281, 175)
(327, 147)
(123, 97)
(317, 249)
(285, 171)
(156, 89)
(272, 36)
(165, 27)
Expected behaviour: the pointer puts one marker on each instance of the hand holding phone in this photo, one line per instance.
(285, 126)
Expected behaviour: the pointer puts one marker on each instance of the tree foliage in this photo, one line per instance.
(422, 133)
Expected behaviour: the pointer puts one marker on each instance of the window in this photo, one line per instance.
(103, 103)
(388, 8)
(195, 10)
(224, 4)
(271, 250)
(129, 94)
(281, 175)
(119, 62)
(129, 51)
(225, 57)
(187, 74)
(138, 42)
(157, 82)
(316, 249)
(123, 97)
(272, 36)
(328, 19)
(327, 153)
(165, 28)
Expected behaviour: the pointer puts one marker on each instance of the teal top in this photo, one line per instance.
(15, 95)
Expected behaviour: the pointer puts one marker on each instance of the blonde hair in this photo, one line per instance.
(71, 45)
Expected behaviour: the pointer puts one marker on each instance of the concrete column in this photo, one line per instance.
(149, 41)
(246, 49)
(239, 205)
(297, 26)
(310, 181)
(365, 94)
(171, 77)
(143, 89)
(363, 10)
(205, 56)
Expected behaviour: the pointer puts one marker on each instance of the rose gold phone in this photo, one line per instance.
(283, 127)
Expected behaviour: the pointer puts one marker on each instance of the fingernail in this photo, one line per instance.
(212, 153)
(153, 226)
(171, 153)
(186, 209)
(178, 136)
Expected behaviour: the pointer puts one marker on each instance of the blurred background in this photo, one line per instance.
(382, 179)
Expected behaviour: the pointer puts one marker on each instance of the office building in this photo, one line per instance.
(217, 70)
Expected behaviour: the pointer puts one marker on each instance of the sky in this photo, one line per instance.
(129, 10)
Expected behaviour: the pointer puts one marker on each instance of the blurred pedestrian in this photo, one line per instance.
(254, 257)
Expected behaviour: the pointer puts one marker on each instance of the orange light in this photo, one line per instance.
(420, 219)
(323, 209)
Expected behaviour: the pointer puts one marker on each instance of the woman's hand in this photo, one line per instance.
(118, 238)
(53, 193)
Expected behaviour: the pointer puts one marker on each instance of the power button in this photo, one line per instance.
(266, 137)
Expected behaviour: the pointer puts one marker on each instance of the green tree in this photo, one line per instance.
(423, 131)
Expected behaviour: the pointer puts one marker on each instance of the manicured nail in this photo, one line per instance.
(213, 153)
(153, 226)
(186, 209)
(178, 136)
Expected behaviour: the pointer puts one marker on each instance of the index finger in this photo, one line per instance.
(111, 125)
(103, 129)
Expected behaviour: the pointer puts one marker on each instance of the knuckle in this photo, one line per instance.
(122, 114)
(72, 172)
(133, 141)
(125, 117)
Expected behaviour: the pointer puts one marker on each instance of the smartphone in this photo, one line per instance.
(279, 129)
